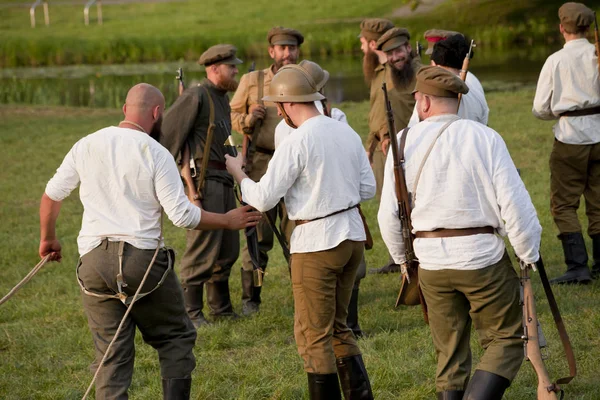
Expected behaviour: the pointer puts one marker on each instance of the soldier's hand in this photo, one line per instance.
(51, 247)
(234, 164)
(242, 217)
(257, 111)
(384, 145)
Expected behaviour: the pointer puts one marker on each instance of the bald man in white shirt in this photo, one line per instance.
(126, 179)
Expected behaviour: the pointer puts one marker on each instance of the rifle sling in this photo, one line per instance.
(560, 325)
(208, 142)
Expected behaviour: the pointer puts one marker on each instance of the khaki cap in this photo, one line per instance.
(292, 84)
(392, 39)
(575, 16)
(437, 35)
(284, 37)
(437, 81)
(373, 28)
(220, 54)
(319, 75)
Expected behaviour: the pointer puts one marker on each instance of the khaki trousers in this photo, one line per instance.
(575, 171)
(322, 285)
(378, 167)
(488, 297)
(160, 317)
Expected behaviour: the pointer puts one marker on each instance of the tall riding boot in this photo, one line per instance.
(389, 268)
(177, 389)
(250, 294)
(352, 320)
(323, 387)
(576, 259)
(192, 296)
(354, 379)
(486, 386)
(450, 395)
(218, 299)
(596, 255)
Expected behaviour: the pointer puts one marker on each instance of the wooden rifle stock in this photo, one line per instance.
(465, 69)
(597, 37)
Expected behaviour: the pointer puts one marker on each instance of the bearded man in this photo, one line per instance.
(209, 255)
(257, 120)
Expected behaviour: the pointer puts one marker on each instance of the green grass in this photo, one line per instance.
(46, 348)
(157, 32)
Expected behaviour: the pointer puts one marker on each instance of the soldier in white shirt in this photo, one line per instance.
(323, 173)
(449, 53)
(126, 179)
(568, 90)
(468, 195)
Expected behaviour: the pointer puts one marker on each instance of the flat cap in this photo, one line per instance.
(392, 39)
(373, 28)
(219, 54)
(284, 36)
(575, 16)
(319, 75)
(437, 81)
(436, 35)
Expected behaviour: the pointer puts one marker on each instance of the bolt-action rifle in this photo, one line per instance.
(534, 340)
(410, 267)
(465, 69)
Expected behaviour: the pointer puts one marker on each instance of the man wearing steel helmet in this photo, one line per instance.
(323, 173)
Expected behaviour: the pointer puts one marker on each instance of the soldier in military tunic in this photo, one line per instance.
(257, 119)
(209, 255)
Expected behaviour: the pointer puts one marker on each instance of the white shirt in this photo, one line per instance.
(473, 105)
(568, 82)
(468, 181)
(125, 176)
(283, 130)
(322, 168)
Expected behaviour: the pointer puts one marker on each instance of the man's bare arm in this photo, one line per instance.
(49, 244)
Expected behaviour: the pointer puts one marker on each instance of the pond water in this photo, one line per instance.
(106, 86)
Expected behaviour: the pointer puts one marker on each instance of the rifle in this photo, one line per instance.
(410, 268)
(188, 166)
(597, 38)
(418, 48)
(534, 340)
(465, 69)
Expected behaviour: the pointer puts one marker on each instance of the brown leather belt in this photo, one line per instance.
(306, 221)
(444, 233)
(217, 165)
(264, 150)
(582, 112)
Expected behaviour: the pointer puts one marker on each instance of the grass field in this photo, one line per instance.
(46, 348)
(138, 32)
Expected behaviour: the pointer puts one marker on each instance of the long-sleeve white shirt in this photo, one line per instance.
(569, 81)
(468, 181)
(473, 105)
(320, 169)
(283, 130)
(125, 177)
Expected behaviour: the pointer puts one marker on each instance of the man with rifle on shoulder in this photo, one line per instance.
(199, 123)
(568, 90)
(465, 194)
(256, 120)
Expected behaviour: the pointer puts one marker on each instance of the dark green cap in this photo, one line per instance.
(220, 54)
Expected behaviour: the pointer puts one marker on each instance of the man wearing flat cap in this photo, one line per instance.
(450, 54)
(568, 91)
(466, 194)
(199, 122)
(257, 119)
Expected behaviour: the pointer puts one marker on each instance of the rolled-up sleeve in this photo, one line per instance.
(66, 178)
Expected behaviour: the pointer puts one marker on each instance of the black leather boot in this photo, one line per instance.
(352, 320)
(192, 296)
(250, 294)
(450, 395)
(177, 389)
(354, 379)
(596, 255)
(486, 386)
(390, 268)
(323, 387)
(219, 301)
(576, 259)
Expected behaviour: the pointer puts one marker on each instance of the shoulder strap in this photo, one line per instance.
(261, 86)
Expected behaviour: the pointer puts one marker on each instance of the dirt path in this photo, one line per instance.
(424, 7)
